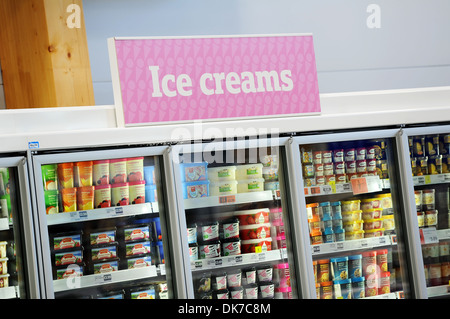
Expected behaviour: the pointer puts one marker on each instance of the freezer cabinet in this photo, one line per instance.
(103, 224)
(235, 220)
(350, 204)
(426, 158)
(18, 267)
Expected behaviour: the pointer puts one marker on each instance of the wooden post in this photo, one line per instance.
(44, 54)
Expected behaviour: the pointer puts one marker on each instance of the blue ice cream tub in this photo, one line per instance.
(355, 266)
(339, 268)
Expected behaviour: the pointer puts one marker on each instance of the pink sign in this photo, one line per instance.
(205, 78)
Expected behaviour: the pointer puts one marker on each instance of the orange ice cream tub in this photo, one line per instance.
(65, 175)
(85, 197)
(82, 172)
(69, 199)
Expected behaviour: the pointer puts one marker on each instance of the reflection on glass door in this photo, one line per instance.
(105, 235)
(236, 217)
(352, 219)
(430, 159)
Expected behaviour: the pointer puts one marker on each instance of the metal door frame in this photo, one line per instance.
(68, 156)
(413, 243)
(24, 196)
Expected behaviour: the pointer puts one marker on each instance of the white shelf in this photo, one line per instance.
(4, 223)
(99, 213)
(104, 279)
(242, 198)
(443, 234)
(438, 291)
(431, 179)
(351, 245)
(238, 260)
(8, 292)
(391, 295)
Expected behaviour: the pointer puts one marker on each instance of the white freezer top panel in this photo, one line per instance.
(66, 127)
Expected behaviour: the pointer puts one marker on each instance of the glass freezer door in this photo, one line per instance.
(236, 221)
(354, 215)
(429, 165)
(17, 248)
(103, 216)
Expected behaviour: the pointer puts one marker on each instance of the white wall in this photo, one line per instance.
(411, 48)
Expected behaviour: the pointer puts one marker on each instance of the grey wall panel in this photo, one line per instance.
(410, 46)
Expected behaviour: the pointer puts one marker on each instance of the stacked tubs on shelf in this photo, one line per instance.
(352, 219)
(199, 180)
(353, 276)
(86, 185)
(238, 232)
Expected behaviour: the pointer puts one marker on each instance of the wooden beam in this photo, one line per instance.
(44, 60)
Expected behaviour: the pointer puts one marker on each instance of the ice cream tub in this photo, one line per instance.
(137, 192)
(372, 213)
(342, 289)
(339, 268)
(358, 288)
(69, 199)
(195, 189)
(135, 169)
(370, 203)
(71, 271)
(83, 174)
(120, 194)
(67, 241)
(252, 216)
(50, 176)
(104, 252)
(51, 202)
(256, 231)
(100, 172)
(267, 290)
(351, 216)
(192, 172)
(136, 233)
(250, 185)
(150, 193)
(149, 175)
(355, 266)
(211, 249)
(222, 173)
(68, 257)
(256, 245)
(65, 175)
(270, 173)
(231, 247)
(249, 171)
(370, 224)
(209, 231)
(222, 188)
(118, 170)
(271, 186)
(374, 233)
(351, 205)
(102, 237)
(102, 196)
(103, 267)
(85, 197)
(137, 248)
(388, 222)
